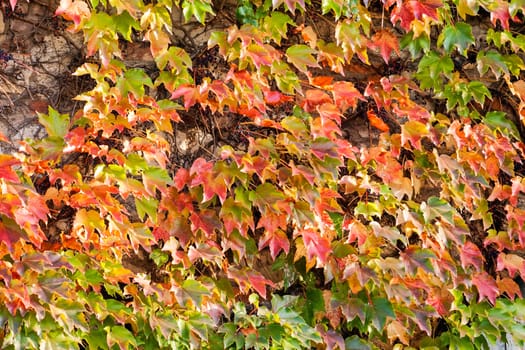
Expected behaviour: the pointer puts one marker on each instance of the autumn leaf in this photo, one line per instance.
(407, 11)
(76, 11)
(385, 42)
(377, 122)
(486, 285)
(301, 56)
(471, 255)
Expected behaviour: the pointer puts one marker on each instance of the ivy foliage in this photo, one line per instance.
(289, 236)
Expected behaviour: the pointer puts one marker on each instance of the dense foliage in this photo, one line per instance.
(288, 235)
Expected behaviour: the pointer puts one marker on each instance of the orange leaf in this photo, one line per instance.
(377, 122)
(385, 42)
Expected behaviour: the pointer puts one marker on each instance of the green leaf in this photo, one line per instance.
(266, 196)
(415, 45)
(276, 25)
(381, 308)
(56, 124)
(438, 208)
(147, 205)
(301, 56)
(124, 24)
(196, 8)
(431, 67)
(191, 290)
(133, 81)
(496, 120)
(491, 60)
(118, 335)
(368, 209)
(459, 36)
(479, 91)
(314, 303)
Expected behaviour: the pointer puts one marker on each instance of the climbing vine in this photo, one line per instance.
(284, 232)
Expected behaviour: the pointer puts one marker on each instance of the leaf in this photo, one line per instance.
(471, 255)
(396, 330)
(125, 23)
(133, 81)
(6, 168)
(346, 95)
(508, 286)
(411, 10)
(459, 36)
(500, 12)
(56, 124)
(75, 11)
(118, 335)
(277, 25)
(513, 263)
(413, 131)
(386, 42)
(377, 122)
(487, 287)
(191, 290)
(197, 8)
(316, 245)
(266, 196)
(301, 56)
(147, 205)
(290, 4)
(415, 257)
(381, 309)
(348, 36)
(13, 4)
(496, 120)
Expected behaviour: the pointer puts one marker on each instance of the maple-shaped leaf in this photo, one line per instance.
(197, 8)
(510, 287)
(191, 290)
(512, 263)
(470, 254)
(486, 285)
(314, 98)
(290, 4)
(121, 336)
(75, 11)
(415, 257)
(316, 245)
(6, 168)
(10, 232)
(499, 11)
(346, 95)
(409, 10)
(276, 241)
(377, 122)
(458, 35)
(413, 131)
(386, 42)
(56, 124)
(349, 37)
(301, 56)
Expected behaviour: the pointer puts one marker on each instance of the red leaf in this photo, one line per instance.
(377, 122)
(206, 221)
(10, 235)
(512, 263)
(385, 42)
(346, 95)
(316, 245)
(191, 94)
(274, 237)
(6, 171)
(259, 283)
(415, 10)
(500, 13)
(471, 255)
(487, 287)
